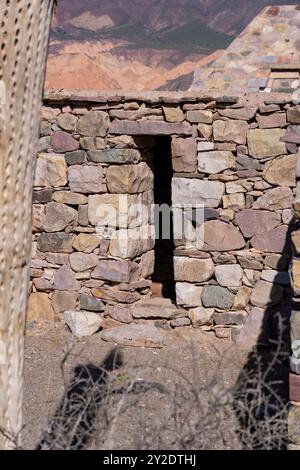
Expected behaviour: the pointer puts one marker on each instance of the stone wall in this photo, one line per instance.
(236, 156)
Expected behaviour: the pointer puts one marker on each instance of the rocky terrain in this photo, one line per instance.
(128, 44)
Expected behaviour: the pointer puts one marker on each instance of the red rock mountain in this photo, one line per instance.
(141, 44)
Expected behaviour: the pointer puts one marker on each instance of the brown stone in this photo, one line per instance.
(264, 143)
(281, 171)
(219, 236)
(275, 240)
(59, 216)
(253, 332)
(135, 335)
(82, 261)
(67, 121)
(295, 273)
(147, 264)
(244, 114)
(39, 308)
(38, 217)
(293, 115)
(192, 269)
(121, 314)
(51, 170)
(215, 161)
(184, 154)
(86, 242)
(86, 179)
(129, 179)
(90, 303)
(266, 294)
(63, 142)
(201, 316)
(253, 222)
(271, 121)
(173, 114)
(93, 124)
(116, 271)
(230, 131)
(65, 280)
(205, 131)
(242, 298)
(149, 128)
(92, 143)
(109, 294)
(57, 258)
(198, 116)
(67, 197)
(56, 242)
(275, 199)
(63, 300)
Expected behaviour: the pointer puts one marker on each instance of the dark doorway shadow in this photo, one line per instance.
(163, 274)
(261, 394)
(74, 423)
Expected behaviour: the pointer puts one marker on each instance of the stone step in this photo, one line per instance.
(157, 308)
(135, 335)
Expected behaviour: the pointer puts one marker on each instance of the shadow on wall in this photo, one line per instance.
(262, 390)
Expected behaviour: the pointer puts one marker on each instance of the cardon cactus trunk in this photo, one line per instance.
(24, 32)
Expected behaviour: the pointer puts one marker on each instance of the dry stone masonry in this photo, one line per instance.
(236, 156)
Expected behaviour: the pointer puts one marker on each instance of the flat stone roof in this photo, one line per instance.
(158, 97)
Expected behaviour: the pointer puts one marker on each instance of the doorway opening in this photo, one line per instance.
(163, 283)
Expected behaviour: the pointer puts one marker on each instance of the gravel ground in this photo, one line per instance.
(167, 382)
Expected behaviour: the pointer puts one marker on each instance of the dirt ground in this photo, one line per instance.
(168, 384)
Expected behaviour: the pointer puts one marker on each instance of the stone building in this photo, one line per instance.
(223, 165)
(227, 168)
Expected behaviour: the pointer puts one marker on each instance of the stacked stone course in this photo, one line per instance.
(235, 155)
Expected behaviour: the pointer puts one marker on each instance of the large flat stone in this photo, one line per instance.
(229, 275)
(118, 210)
(230, 131)
(192, 269)
(65, 280)
(216, 235)
(274, 241)
(63, 142)
(244, 114)
(93, 124)
(80, 262)
(39, 308)
(155, 308)
(59, 216)
(51, 171)
(266, 294)
(114, 156)
(253, 222)
(135, 335)
(215, 161)
(188, 294)
(149, 128)
(189, 192)
(116, 271)
(63, 300)
(91, 303)
(56, 242)
(184, 154)
(132, 242)
(129, 179)
(281, 171)
(86, 242)
(86, 179)
(254, 331)
(67, 197)
(275, 199)
(264, 143)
